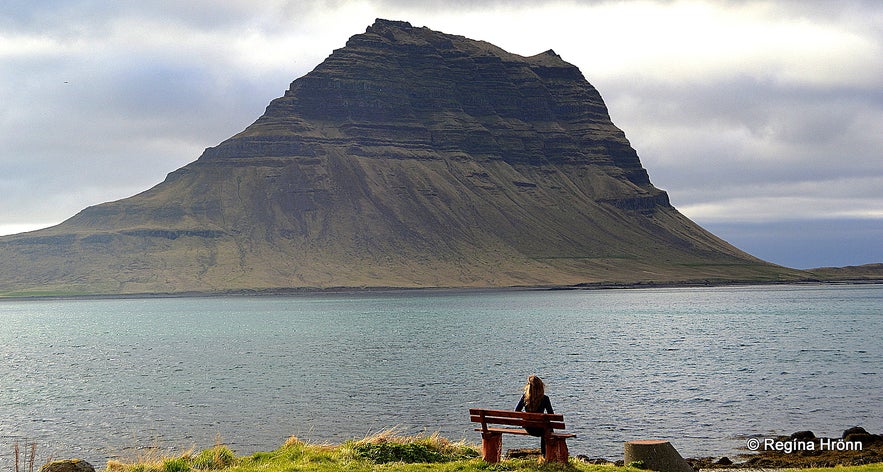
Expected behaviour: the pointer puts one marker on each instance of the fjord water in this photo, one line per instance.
(702, 367)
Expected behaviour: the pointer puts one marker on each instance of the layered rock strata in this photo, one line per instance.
(408, 158)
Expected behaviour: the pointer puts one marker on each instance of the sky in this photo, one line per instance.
(763, 120)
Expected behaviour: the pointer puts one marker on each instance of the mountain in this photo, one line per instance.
(408, 158)
(865, 272)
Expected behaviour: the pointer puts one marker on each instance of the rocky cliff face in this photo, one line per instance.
(408, 158)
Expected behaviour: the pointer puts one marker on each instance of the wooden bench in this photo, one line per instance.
(492, 437)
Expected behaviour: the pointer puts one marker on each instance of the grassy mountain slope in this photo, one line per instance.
(409, 158)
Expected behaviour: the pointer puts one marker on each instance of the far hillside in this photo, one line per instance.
(869, 272)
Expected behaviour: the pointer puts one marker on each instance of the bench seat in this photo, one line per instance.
(522, 432)
(492, 436)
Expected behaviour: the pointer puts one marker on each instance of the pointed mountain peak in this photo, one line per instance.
(381, 25)
(408, 158)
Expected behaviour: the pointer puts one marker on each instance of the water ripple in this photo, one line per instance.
(701, 367)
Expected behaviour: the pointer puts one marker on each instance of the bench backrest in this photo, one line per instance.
(521, 419)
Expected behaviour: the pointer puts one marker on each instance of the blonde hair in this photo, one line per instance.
(534, 391)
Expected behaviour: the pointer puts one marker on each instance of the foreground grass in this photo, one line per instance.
(853, 468)
(385, 451)
(382, 452)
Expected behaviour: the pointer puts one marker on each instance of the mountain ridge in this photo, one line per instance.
(408, 158)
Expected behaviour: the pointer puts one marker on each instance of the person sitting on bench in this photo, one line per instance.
(534, 400)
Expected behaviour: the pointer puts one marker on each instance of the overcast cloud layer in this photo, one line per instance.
(763, 120)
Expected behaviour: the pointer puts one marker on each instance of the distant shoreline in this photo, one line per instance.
(316, 291)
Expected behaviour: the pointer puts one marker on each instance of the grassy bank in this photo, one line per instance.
(382, 452)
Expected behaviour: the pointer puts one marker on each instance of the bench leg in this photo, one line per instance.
(556, 450)
(491, 447)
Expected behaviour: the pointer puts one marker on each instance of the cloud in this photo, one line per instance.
(755, 140)
(104, 104)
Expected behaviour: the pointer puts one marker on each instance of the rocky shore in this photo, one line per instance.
(802, 449)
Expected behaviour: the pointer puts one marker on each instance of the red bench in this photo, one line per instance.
(492, 437)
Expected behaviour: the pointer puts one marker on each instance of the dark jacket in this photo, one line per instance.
(545, 405)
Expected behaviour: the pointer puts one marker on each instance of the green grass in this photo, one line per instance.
(385, 451)
(878, 467)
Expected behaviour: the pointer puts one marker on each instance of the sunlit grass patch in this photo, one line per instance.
(390, 446)
(219, 457)
(878, 467)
